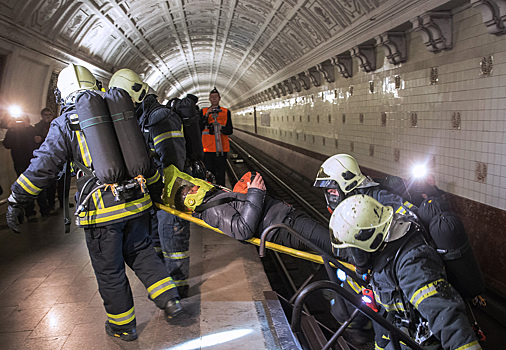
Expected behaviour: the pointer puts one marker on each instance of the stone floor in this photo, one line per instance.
(49, 297)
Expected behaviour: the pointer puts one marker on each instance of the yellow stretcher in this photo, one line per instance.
(256, 241)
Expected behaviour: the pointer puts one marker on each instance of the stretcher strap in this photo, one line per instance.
(256, 241)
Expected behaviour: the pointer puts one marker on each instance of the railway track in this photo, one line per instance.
(287, 274)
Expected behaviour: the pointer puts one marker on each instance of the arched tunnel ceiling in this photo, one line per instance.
(189, 46)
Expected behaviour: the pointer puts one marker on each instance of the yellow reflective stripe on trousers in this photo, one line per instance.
(168, 135)
(121, 319)
(377, 347)
(115, 212)
(424, 292)
(176, 255)
(160, 287)
(180, 283)
(408, 204)
(27, 185)
(151, 180)
(83, 147)
(389, 307)
(471, 346)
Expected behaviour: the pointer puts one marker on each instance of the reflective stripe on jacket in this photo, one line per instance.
(163, 133)
(419, 273)
(62, 145)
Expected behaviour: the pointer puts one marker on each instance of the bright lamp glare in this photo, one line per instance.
(212, 340)
(419, 170)
(366, 299)
(341, 275)
(15, 111)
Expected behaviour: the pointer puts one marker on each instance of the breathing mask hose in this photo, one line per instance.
(81, 206)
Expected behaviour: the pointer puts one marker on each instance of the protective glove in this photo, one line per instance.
(155, 192)
(15, 214)
(198, 169)
(214, 128)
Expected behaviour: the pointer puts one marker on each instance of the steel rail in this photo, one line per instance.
(287, 188)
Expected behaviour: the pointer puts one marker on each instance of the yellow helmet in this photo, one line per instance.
(131, 82)
(360, 222)
(340, 170)
(75, 78)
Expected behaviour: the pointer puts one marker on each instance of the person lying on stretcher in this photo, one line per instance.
(242, 215)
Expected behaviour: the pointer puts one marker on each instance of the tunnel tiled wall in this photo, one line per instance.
(444, 112)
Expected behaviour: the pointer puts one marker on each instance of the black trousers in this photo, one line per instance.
(310, 229)
(127, 242)
(216, 165)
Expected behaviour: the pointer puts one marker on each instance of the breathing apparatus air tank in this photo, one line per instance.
(452, 243)
(96, 123)
(128, 132)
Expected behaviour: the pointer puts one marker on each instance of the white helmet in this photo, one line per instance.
(340, 170)
(131, 82)
(360, 222)
(75, 78)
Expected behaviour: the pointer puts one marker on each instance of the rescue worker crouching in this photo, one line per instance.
(116, 229)
(164, 136)
(406, 274)
(340, 177)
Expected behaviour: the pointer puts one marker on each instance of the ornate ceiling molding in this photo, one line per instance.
(394, 46)
(435, 29)
(381, 19)
(493, 13)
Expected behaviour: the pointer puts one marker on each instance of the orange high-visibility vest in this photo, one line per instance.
(208, 142)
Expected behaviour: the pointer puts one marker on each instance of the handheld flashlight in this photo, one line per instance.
(368, 299)
(419, 171)
(15, 111)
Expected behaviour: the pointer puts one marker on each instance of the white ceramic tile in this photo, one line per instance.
(480, 100)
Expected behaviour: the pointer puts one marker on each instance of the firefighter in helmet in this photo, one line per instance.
(406, 274)
(164, 136)
(116, 231)
(340, 177)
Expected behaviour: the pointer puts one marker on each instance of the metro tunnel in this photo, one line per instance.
(404, 87)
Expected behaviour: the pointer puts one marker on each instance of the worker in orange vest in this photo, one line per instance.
(216, 125)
